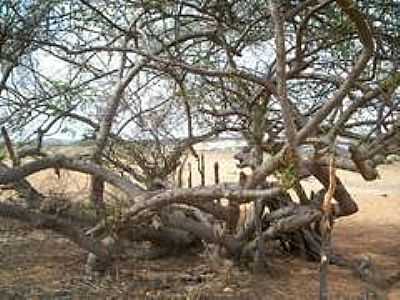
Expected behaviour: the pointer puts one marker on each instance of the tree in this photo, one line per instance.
(312, 83)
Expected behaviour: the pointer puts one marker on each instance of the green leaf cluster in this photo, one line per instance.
(287, 176)
(391, 83)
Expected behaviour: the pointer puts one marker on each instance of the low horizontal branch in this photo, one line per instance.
(200, 193)
(60, 225)
(13, 175)
(24, 188)
(364, 167)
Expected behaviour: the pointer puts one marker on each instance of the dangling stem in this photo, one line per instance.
(326, 229)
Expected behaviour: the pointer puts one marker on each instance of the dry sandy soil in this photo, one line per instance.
(41, 265)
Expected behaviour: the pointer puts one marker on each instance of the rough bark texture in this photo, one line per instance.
(60, 225)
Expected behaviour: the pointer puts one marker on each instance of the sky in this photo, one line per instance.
(257, 58)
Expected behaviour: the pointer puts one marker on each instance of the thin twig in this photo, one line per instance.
(326, 228)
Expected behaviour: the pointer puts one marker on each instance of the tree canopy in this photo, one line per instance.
(146, 80)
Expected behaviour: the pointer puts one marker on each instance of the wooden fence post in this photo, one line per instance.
(202, 170)
(180, 174)
(216, 172)
(190, 175)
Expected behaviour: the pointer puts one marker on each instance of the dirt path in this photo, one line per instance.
(40, 265)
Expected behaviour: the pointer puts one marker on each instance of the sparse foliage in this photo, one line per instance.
(147, 80)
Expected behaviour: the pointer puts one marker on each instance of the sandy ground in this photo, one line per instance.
(41, 265)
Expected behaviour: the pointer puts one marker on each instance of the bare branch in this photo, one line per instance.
(209, 193)
(62, 162)
(281, 74)
(367, 40)
(57, 224)
(10, 147)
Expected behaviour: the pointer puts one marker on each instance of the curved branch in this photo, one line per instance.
(366, 38)
(62, 162)
(347, 206)
(196, 194)
(57, 224)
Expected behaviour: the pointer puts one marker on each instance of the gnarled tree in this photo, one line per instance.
(303, 81)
